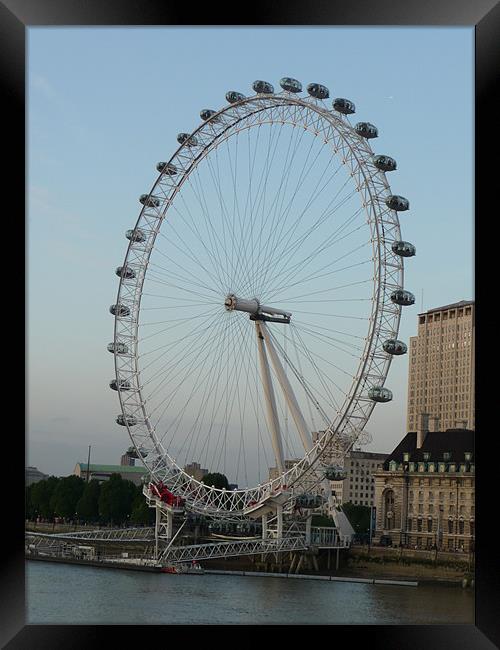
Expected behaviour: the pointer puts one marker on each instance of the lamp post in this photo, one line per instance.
(88, 465)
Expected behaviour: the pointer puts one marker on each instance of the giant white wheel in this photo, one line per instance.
(260, 297)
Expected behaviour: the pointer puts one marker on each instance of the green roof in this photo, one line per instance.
(118, 469)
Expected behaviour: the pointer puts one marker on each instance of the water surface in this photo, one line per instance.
(74, 594)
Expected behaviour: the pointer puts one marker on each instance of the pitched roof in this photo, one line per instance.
(454, 441)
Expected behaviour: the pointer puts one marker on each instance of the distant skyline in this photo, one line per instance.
(105, 104)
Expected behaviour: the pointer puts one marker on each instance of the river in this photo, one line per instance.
(75, 594)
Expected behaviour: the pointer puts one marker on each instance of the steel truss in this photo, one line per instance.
(355, 152)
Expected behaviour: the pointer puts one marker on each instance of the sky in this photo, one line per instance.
(105, 104)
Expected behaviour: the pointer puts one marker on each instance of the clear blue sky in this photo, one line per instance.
(104, 105)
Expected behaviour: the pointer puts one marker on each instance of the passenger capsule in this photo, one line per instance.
(396, 202)
(133, 453)
(126, 420)
(384, 163)
(119, 310)
(187, 139)
(135, 235)
(117, 348)
(208, 113)
(263, 87)
(232, 97)
(125, 272)
(395, 347)
(123, 384)
(291, 85)
(403, 248)
(167, 168)
(335, 473)
(366, 130)
(380, 394)
(344, 106)
(149, 201)
(309, 500)
(318, 91)
(402, 297)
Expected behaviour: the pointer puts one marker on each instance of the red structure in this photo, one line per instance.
(163, 493)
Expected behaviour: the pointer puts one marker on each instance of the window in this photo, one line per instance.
(446, 455)
(388, 508)
(450, 527)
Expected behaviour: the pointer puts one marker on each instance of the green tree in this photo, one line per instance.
(115, 499)
(87, 507)
(66, 496)
(29, 507)
(217, 480)
(359, 517)
(141, 512)
(41, 496)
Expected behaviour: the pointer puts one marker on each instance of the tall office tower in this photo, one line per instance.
(441, 368)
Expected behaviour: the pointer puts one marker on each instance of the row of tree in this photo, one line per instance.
(115, 501)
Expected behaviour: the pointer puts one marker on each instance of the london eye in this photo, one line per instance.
(259, 300)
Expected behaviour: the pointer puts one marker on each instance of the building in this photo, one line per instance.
(308, 483)
(33, 475)
(424, 495)
(196, 471)
(103, 472)
(441, 379)
(359, 485)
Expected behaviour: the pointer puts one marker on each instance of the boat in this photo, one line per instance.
(194, 568)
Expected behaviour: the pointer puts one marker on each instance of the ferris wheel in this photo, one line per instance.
(259, 299)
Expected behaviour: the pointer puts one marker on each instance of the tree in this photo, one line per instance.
(66, 496)
(217, 480)
(141, 512)
(87, 507)
(359, 517)
(29, 507)
(41, 496)
(115, 499)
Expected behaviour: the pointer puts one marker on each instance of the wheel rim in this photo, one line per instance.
(387, 268)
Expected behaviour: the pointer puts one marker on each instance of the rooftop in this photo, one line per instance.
(118, 469)
(368, 455)
(453, 305)
(454, 441)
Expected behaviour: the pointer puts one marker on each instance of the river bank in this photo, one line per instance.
(358, 562)
(363, 572)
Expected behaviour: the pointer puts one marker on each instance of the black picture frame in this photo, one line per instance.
(484, 15)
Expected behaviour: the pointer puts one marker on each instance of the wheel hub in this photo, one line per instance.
(256, 310)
